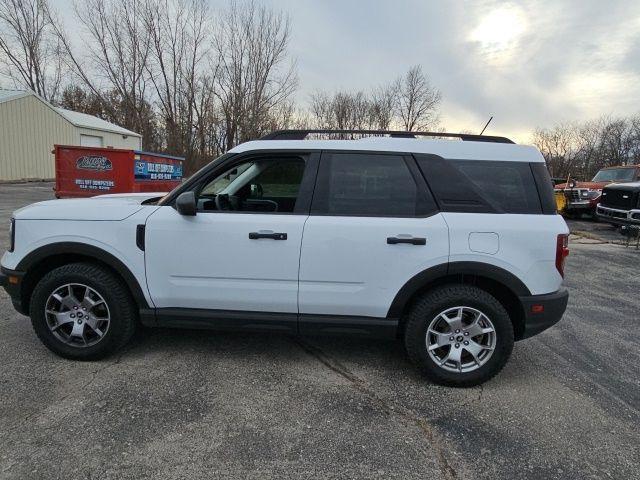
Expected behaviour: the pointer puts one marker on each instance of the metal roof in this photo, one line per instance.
(6, 95)
(81, 120)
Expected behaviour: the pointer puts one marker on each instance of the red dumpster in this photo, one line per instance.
(89, 171)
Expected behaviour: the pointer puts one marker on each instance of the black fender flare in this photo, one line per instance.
(432, 274)
(89, 251)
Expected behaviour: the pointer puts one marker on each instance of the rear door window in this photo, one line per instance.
(365, 184)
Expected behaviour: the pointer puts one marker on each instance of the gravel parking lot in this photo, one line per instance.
(181, 404)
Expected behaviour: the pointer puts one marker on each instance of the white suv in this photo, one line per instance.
(453, 246)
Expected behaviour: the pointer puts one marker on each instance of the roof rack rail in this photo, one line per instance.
(302, 134)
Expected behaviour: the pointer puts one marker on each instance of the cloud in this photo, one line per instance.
(528, 63)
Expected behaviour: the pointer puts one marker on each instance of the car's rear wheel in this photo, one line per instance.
(459, 335)
(82, 311)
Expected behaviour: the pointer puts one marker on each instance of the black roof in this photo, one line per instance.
(304, 133)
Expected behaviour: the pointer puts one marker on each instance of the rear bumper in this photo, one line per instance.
(553, 307)
(618, 216)
(11, 281)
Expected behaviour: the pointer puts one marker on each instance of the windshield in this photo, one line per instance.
(226, 181)
(615, 175)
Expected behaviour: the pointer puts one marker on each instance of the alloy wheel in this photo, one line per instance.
(77, 315)
(461, 339)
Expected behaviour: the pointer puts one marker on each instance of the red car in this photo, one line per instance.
(583, 197)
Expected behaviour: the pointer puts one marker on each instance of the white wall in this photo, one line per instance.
(114, 140)
(28, 131)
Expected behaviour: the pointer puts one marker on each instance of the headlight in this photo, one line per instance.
(592, 194)
(12, 234)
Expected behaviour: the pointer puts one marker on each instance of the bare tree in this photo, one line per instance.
(634, 127)
(253, 77)
(300, 119)
(381, 110)
(342, 110)
(588, 155)
(418, 101)
(357, 111)
(320, 110)
(30, 53)
(558, 146)
(116, 48)
(616, 141)
(179, 35)
(580, 150)
(410, 103)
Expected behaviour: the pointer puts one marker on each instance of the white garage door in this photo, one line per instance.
(90, 141)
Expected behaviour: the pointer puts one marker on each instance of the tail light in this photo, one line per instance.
(562, 252)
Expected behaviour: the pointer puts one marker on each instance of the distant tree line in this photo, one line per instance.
(581, 149)
(192, 81)
(408, 103)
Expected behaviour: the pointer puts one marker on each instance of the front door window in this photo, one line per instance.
(260, 185)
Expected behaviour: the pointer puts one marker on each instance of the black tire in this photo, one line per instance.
(429, 306)
(123, 316)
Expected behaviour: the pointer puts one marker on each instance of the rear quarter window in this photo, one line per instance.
(510, 186)
(481, 186)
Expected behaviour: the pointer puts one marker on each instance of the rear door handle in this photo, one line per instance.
(410, 240)
(271, 235)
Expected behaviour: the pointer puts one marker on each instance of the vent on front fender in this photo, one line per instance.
(140, 237)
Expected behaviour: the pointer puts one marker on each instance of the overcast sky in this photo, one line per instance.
(529, 63)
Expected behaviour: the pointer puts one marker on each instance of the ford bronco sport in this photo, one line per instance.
(454, 247)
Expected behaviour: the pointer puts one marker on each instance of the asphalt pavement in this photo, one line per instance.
(194, 404)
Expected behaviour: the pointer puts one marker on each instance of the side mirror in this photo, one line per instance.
(186, 204)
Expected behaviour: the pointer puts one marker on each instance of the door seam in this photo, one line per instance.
(299, 267)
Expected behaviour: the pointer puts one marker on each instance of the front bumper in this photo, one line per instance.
(579, 206)
(577, 200)
(11, 281)
(618, 216)
(538, 319)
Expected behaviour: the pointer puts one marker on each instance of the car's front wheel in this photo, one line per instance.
(459, 335)
(82, 311)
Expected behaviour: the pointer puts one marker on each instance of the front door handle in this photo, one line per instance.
(410, 240)
(271, 235)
